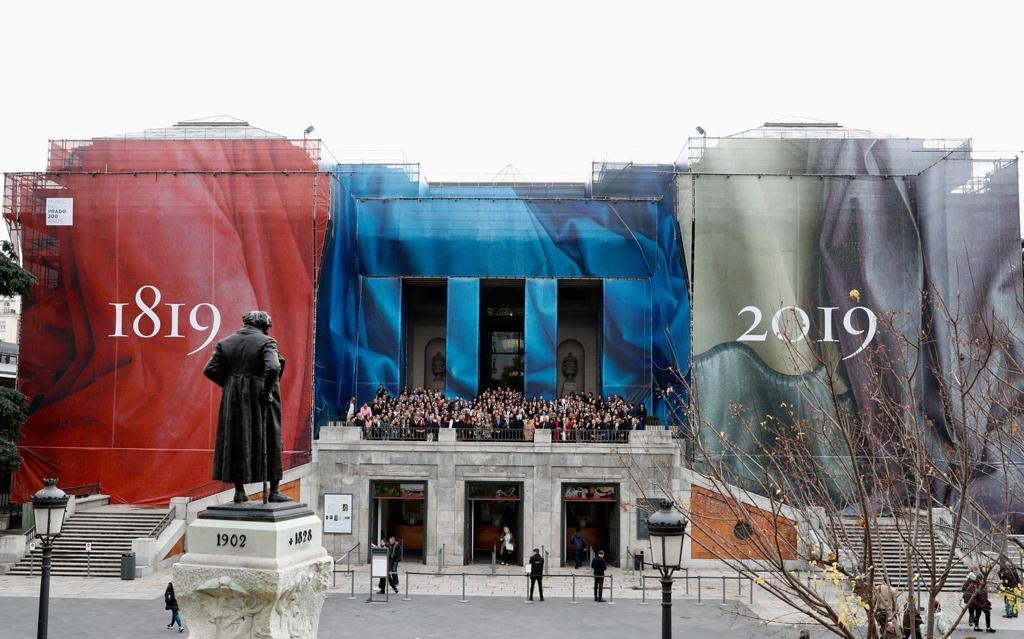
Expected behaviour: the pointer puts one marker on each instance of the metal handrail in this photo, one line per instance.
(347, 556)
(164, 523)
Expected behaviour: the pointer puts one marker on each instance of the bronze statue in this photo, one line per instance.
(248, 368)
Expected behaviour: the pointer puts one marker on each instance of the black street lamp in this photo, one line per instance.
(49, 506)
(667, 530)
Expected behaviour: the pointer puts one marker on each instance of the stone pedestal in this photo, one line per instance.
(253, 570)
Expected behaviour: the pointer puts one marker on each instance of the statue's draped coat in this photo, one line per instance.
(247, 367)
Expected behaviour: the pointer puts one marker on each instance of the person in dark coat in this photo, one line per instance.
(537, 573)
(248, 368)
(394, 556)
(171, 603)
(599, 566)
(579, 544)
(975, 595)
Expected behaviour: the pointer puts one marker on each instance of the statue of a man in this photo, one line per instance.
(248, 368)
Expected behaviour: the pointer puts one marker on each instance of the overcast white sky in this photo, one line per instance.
(468, 88)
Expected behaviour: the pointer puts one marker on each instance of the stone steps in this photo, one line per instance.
(889, 552)
(110, 530)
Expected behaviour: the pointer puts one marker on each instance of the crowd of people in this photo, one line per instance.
(496, 414)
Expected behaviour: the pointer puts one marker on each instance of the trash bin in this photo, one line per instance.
(638, 561)
(128, 566)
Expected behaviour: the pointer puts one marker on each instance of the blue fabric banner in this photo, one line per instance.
(626, 340)
(463, 338)
(379, 337)
(541, 324)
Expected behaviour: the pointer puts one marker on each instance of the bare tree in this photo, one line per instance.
(920, 455)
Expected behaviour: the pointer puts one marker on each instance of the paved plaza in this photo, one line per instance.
(494, 608)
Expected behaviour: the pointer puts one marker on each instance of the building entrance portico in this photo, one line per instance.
(491, 506)
(593, 510)
(399, 509)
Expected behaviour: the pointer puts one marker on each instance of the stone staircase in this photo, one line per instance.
(110, 530)
(889, 551)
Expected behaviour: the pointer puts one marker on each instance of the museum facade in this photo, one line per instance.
(646, 282)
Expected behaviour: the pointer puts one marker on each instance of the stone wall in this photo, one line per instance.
(344, 463)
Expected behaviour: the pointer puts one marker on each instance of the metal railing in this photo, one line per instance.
(162, 526)
(352, 581)
(609, 583)
(491, 434)
(701, 580)
(347, 556)
(400, 433)
(588, 435)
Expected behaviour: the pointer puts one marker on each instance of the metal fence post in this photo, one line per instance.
(751, 591)
(463, 600)
(643, 590)
(352, 576)
(723, 588)
(611, 588)
(573, 600)
(699, 602)
(687, 581)
(739, 584)
(494, 559)
(406, 586)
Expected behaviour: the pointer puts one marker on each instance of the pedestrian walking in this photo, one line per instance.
(975, 594)
(599, 566)
(537, 573)
(885, 604)
(171, 603)
(394, 556)
(579, 544)
(507, 547)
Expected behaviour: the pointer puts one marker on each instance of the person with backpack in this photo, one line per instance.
(1009, 585)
